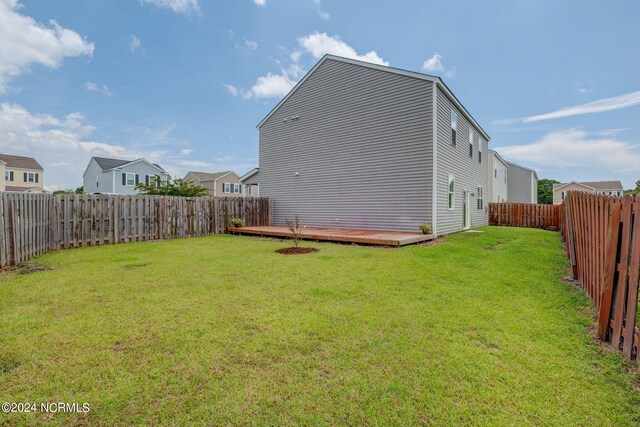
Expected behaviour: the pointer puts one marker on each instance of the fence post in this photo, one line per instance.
(611, 249)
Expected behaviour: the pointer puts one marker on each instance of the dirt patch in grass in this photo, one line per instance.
(27, 268)
(133, 266)
(8, 362)
(434, 242)
(296, 251)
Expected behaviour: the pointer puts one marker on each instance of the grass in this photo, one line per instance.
(478, 330)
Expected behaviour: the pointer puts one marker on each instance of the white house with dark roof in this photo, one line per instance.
(23, 174)
(225, 183)
(609, 188)
(117, 176)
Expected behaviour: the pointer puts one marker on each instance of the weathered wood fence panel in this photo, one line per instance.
(32, 224)
(602, 239)
(524, 215)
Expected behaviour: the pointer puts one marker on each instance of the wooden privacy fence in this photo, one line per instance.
(33, 224)
(602, 237)
(524, 215)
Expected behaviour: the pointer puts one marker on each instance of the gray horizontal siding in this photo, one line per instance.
(521, 185)
(468, 171)
(362, 151)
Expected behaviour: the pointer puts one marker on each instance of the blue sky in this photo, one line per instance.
(184, 82)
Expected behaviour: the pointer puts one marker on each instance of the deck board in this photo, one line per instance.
(369, 237)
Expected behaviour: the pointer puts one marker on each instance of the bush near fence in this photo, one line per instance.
(33, 224)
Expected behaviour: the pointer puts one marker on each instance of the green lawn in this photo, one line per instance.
(479, 329)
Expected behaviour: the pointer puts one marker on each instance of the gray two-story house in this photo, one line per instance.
(357, 145)
(117, 176)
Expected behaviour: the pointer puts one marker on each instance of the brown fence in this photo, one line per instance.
(524, 215)
(32, 224)
(602, 236)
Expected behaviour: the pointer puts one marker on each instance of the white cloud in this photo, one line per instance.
(134, 43)
(261, 3)
(194, 164)
(186, 151)
(24, 42)
(250, 44)
(606, 104)
(577, 155)
(103, 89)
(64, 142)
(277, 85)
(435, 65)
(270, 86)
(178, 6)
(319, 44)
(322, 14)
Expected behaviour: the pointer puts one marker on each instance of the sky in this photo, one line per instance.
(185, 82)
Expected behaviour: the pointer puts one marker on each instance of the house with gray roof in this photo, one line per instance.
(118, 176)
(609, 188)
(220, 184)
(356, 145)
(21, 174)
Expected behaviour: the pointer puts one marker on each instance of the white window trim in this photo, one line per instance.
(451, 193)
(226, 187)
(471, 142)
(133, 179)
(480, 198)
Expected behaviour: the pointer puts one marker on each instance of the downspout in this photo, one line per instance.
(434, 197)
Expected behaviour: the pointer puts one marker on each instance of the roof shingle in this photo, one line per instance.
(21, 162)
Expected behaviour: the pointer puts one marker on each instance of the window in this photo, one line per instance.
(236, 188)
(480, 199)
(30, 177)
(129, 179)
(451, 190)
(563, 195)
(6, 175)
(617, 193)
(495, 172)
(454, 127)
(226, 187)
(10, 177)
(479, 150)
(152, 180)
(470, 142)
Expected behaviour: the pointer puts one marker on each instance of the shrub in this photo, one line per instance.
(296, 230)
(237, 222)
(426, 228)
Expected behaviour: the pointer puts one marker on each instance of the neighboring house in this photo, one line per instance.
(358, 145)
(22, 174)
(219, 183)
(609, 188)
(251, 187)
(498, 178)
(522, 184)
(116, 176)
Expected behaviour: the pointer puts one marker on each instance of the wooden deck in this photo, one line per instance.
(367, 237)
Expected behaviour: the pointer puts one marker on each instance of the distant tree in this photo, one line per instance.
(79, 190)
(634, 191)
(172, 187)
(545, 191)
